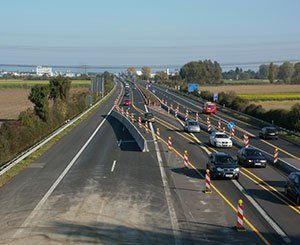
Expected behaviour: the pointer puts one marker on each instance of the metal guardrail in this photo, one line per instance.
(5, 167)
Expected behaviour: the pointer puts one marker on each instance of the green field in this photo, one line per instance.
(248, 81)
(19, 83)
(271, 96)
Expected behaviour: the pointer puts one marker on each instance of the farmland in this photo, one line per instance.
(255, 89)
(14, 100)
(284, 104)
(19, 83)
(271, 96)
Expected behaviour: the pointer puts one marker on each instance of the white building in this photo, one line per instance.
(41, 71)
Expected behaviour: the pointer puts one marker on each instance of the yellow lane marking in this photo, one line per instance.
(250, 225)
(271, 189)
(260, 182)
(282, 150)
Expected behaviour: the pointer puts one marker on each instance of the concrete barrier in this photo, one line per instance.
(135, 133)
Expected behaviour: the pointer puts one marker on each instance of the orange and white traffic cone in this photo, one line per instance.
(207, 182)
(240, 216)
(275, 156)
(246, 140)
(186, 159)
(170, 147)
(158, 134)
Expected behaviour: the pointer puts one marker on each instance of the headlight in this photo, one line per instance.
(236, 169)
(219, 169)
(250, 160)
(263, 161)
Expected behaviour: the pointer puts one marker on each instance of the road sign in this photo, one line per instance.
(215, 97)
(230, 125)
(193, 87)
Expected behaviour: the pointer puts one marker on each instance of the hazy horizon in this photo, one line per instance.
(170, 32)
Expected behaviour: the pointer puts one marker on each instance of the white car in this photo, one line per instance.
(220, 139)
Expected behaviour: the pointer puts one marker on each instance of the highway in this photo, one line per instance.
(96, 186)
(264, 185)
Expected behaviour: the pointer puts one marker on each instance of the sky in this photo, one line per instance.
(140, 32)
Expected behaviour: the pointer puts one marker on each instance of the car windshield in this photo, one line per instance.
(224, 160)
(221, 136)
(271, 130)
(148, 115)
(193, 124)
(253, 152)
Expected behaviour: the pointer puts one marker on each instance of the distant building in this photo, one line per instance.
(42, 71)
(139, 73)
(168, 71)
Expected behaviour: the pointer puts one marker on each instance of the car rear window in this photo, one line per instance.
(224, 160)
(221, 136)
(253, 152)
(271, 130)
(193, 123)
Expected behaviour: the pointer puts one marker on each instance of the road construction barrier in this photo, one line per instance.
(240, 216)
(138, 137)
(186, 159)
(147, 127)
(132, 117)
(219, 125)
(186, 114)
(170, 147)
(158, 134)
(246, 140)
(197, 117)
(176, 112)
(140, 121)
(232, 132)
(207, 182)
(208, 124)
(275, 156)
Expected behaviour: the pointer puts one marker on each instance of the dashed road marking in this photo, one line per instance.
(113, 166)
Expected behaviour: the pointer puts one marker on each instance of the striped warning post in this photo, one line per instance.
(159, 107)
(127, 113)
(158, 134)
(232, 132)
(147, 127)
(224, 130)
(246, 140)
(122, 111)
(170, 147)
(208, 124)
(275, 156)
(132, 118)
(176, 112)
(140, 121)
(219, 125)
(186, 159)
(207, 182)
(240, 216)
(169, 109)
(186, 114)
(197, 117)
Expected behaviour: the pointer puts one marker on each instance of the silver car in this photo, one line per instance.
(191, 126)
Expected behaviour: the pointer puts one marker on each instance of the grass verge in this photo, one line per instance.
(19, 83)
(11, 173)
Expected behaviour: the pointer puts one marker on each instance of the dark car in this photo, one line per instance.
(222, 165)
(148, 117)
(292, 186)
(126, 94)
(268, 133)
(251, 157)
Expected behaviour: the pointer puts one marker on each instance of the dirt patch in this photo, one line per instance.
(14, 100)
(284, 104)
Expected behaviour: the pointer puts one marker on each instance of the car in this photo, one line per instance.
(148, 117)
(292, 186)
(191, 126)
(126, 94)
(268, 133)
(222, 165)
(127, 102)
(220, 139)
(210, 108)
(251, 157)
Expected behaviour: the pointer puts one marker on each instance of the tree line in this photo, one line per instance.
(53, 105)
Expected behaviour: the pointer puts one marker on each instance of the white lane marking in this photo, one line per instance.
(37, 208)
(119, 143)
(123, 129)
(113, 166)
(262, 212)
(172, 212)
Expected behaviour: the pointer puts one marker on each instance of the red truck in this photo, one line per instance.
(210, 108)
